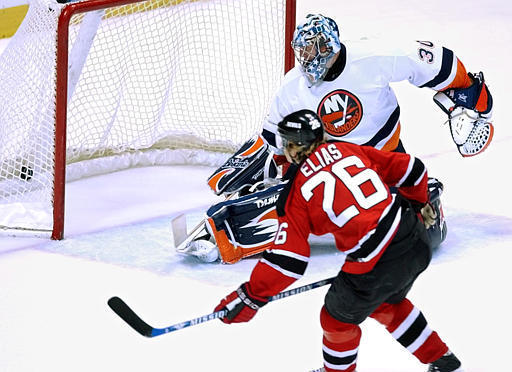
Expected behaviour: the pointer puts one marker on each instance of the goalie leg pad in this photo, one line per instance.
(246, 226)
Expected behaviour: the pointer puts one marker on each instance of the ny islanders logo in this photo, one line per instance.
(341, 112)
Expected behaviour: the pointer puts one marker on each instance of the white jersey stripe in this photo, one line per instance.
(281, 270)
(384, 141)
(450, 78)
(387, 237)
(383, 243)
(404, 326)
(420, 177)
(340, 354)
(420, 340)
(409, 169)
(282, 252)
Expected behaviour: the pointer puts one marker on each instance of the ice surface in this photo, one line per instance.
(53, 311)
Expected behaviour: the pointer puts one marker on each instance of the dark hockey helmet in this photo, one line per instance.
(302, 128)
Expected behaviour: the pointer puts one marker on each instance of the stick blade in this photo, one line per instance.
(179, 229)
(128, 315)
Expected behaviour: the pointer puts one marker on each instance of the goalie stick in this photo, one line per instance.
(129, 316)
(179, 230)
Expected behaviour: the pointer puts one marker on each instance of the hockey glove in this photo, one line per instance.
(252, 164)
(429, 215)
(241, 305)
(476, 97)
(469, 113)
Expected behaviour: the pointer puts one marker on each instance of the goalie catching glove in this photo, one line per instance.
(241, 305)
(469, 113)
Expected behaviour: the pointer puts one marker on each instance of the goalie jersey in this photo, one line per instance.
(355, 100)
(341, 189)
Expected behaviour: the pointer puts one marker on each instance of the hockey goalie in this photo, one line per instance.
(348, 85)
(244, 224)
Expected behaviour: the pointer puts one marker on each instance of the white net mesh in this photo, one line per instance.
(144, 79)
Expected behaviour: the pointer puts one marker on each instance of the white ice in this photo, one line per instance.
(53, 311)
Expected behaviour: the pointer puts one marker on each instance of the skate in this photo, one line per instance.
(447, 363)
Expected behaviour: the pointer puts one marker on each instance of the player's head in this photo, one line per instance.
(300, 133)
(315, 42)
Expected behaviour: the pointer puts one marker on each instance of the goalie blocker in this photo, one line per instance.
(252, 164)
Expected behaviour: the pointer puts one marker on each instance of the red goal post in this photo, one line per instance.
(180, 57)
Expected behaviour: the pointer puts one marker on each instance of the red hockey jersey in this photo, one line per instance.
(341, 189)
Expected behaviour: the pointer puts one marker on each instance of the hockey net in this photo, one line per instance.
(101, 85)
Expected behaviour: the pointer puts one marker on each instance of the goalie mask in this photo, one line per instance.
(299, 131)
(315, 42)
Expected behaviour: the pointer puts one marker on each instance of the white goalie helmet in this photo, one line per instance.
(315, 42)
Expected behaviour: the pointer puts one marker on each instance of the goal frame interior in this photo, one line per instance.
(61, 83)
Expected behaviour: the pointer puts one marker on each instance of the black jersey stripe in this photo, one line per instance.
(386, 130)
(283, 196)
(287, 263)
(414, 331)
(380, 233)
(269, 137)
(444, 72)
(339, 361)
(417, 171)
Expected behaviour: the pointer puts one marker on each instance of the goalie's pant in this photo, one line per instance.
(381, 294)
(437, 233)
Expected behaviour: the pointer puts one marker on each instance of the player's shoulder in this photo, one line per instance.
(343, 146)
(288, 191)
(293, 78)
(363, 152)
(293, 82)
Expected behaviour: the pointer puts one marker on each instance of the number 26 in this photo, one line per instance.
(353, 184)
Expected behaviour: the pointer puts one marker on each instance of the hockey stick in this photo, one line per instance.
(129, 316)
(179, 230)
(180, 235)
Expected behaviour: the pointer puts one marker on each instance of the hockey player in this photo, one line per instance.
(343, 189)
(348, 86)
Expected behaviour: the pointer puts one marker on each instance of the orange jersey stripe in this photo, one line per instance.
(461, 79)
(393, 141)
